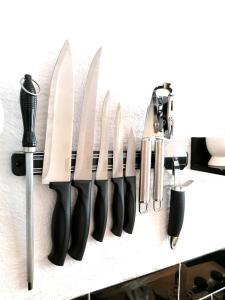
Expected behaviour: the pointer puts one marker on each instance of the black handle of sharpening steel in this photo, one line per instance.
(28, 104)
(60, 222)
(130, 204)
(80, 219)
(118, 206)
(176, 215)
(100, 210)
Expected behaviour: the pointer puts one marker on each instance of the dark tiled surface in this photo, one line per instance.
(199, 278)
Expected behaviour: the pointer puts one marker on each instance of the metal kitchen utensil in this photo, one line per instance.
(28, 104)
(163, 127)
(130, 183)
(117, 176)
(83, 172)
(177, 194)
(101, 202)
(158, 124)
(58, 149)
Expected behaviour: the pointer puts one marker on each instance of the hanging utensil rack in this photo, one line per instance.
(18, 164)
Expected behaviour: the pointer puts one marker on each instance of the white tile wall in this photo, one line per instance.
(144, 44)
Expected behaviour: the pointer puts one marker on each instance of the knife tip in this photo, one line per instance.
(66, 43)
(98, 54)
(107, 95)
(131, 133)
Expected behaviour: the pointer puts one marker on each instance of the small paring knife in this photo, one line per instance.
(117, 177)
(82, 180)
(58, 149)
(130, 185)
(101, 202)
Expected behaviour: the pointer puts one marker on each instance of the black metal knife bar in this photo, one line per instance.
(18, 163)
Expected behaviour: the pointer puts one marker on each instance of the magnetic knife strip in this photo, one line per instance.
(18, 163)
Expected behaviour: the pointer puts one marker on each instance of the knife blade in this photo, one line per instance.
(117, 177)
(58, 148)
(101, 203)
(83, 171)
(130, 180)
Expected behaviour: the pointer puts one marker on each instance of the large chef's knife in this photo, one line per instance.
(83, 169)
(58, 148)
(117, 177)
(101, 203)
(130, 180)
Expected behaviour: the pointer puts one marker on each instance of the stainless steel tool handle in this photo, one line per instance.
(158, 174)
(145, 175)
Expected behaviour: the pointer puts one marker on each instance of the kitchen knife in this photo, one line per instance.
(58, 148)
(130, 181)
(83, 169)
(101, 202)
(117, 177)
(28, 104)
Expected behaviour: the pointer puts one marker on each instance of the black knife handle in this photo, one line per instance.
(28, 105)
(100, 210)
(80, 219)
(130, 204)
(60, 222)
(176, 215)
(118, 206)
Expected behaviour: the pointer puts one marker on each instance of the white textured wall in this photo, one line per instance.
(144, 44)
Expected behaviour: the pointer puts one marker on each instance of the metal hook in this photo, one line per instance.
(28, 92)
(157, 205)
(143, 207)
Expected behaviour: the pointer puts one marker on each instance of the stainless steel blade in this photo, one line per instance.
(59, 133)
(131, 155)
(83, 169)
(149, 122)
(149, 125)
(118, 146)
(102, 169)
(29, 219)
